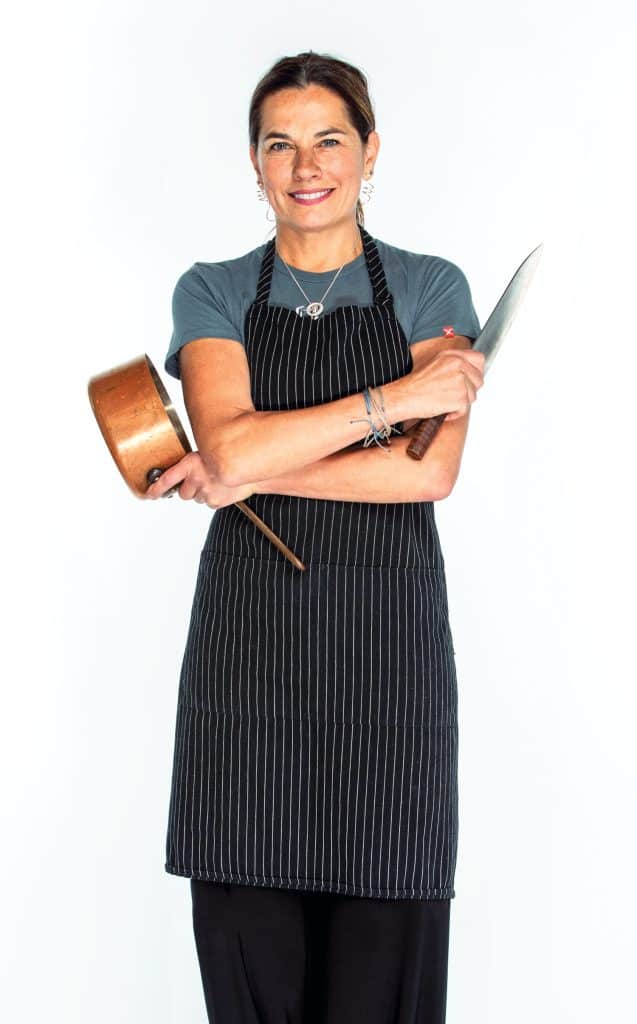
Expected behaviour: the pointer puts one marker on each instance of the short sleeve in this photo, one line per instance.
(199, 310)
(444, 301)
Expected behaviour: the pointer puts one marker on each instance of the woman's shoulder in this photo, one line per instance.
(418, 267)
(223, 287)
(210, 299)
(431, 292)
(229, 273)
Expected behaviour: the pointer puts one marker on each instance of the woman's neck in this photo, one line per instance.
(319, 251)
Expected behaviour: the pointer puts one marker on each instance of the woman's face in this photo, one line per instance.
(308, 145)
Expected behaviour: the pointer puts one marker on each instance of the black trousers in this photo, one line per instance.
(277, 956)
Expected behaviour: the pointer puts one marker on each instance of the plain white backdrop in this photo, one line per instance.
(126, 159)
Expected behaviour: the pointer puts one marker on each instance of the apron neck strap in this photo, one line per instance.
(382, 295)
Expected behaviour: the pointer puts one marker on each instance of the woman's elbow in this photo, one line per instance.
(443, 493)
(446, 483)
(439, 485)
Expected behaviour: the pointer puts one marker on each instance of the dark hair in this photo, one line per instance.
(319, 69)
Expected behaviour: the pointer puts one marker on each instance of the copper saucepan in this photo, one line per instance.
(144, 433)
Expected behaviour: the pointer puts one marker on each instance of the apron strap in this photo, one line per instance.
(375, 269)
(265, 275)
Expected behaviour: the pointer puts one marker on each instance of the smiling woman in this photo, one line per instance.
(312, 167)
(314, 800)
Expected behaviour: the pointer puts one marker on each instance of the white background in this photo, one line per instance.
(126, 159)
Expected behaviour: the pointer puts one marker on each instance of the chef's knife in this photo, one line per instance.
(488, 341)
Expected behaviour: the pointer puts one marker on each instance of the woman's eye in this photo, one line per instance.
(274, 145)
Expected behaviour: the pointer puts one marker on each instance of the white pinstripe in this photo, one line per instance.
(333, 758)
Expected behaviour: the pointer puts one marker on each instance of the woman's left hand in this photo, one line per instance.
(198, 483)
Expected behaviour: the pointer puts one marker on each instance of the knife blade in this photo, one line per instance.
(488, 342)
(496, 327)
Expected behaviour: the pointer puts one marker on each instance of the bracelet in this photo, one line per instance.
(388, 428)
(374, 434)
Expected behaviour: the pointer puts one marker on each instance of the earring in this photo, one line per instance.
(367, 190)
(263, 197)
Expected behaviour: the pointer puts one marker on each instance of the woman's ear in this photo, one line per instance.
(372, 147)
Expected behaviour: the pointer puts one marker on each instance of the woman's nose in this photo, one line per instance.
(305, 162)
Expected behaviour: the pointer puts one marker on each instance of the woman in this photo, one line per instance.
(314, 792)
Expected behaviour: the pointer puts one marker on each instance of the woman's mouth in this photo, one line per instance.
(307, 198)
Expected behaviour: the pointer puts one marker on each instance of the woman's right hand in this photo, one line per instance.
(196, 480)
(448, 383)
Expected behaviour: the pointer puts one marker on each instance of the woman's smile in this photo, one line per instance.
(307, 198)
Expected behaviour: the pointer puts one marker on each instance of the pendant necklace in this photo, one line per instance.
(313, 309)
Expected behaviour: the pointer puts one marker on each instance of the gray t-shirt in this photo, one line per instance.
(211, 300)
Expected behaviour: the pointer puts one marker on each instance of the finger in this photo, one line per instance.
(470, 396)
(473, 374)
(463, 361)
(174, 475)
(466, 355)
(476, 359)
(189, 489)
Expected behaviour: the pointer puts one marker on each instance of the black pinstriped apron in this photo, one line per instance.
(316, 735)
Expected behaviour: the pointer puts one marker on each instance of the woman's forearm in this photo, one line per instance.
(364, 474)
(262, 445)
(371, 475)
(367, 474)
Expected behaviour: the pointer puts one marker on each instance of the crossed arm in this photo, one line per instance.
(359, 474)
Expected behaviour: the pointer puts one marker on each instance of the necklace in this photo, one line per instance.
(313, 309)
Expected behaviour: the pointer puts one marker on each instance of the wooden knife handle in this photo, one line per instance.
(424, 434)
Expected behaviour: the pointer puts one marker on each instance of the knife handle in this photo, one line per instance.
(424, 434)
